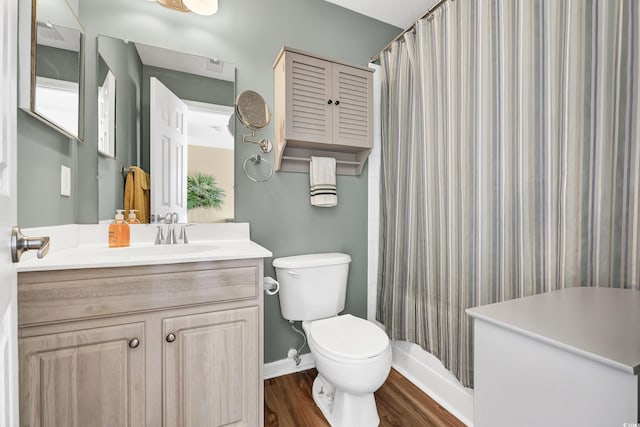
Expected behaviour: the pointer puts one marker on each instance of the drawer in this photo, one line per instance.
(58, 296)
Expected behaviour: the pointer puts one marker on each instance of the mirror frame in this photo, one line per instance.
(27, 41)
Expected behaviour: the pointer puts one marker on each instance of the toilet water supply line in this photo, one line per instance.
(272, 287)
(293, 353)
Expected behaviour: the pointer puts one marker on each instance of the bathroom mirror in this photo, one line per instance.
(51, 65)
(172, 114)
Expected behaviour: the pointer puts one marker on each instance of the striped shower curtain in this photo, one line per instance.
(510, 162)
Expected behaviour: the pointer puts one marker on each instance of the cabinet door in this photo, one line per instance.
(308, 93)
(211, 369)
(352, 113)
(93, 377)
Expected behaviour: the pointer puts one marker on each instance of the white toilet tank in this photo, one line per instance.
(312, 286)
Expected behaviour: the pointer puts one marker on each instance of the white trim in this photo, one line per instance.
(287, 366)
(57, 84)
(429, 375)
(373, 198)
(208, 107)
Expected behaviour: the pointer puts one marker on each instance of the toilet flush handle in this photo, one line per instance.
(294, 274)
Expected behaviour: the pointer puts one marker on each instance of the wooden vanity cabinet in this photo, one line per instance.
(167, 345)
(322, 108)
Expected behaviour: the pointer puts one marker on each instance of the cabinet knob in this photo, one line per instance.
(329, 102)
(134, 343)
(337, 102)
(171, 337)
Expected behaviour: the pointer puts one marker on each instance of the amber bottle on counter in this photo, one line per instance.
(119, 234)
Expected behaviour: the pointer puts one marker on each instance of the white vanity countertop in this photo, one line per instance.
(85, 246)
(602, 324)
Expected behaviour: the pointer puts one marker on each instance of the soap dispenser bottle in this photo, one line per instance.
(119, 235)
(132, 217)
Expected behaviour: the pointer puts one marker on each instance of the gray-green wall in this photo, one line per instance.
(59, 64)
(248, 33)
(41, 152)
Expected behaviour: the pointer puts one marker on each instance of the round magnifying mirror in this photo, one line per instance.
(252, 111)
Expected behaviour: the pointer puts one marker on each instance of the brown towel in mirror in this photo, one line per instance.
(137, 195)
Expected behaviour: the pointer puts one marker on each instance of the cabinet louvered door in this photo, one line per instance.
(352, 118)
(309, 114)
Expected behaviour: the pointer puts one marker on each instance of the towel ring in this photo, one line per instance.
(256, 160)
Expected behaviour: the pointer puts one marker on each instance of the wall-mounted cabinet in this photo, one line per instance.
(322, 108)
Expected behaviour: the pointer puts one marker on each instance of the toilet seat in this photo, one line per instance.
(348, 337)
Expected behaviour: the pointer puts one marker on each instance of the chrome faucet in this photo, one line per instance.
(171, 218)
(159, 236)
(183, 233)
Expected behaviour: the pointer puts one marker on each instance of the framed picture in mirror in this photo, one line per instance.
(106, 109)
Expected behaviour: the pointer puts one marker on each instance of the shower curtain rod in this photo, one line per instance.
(432, 9)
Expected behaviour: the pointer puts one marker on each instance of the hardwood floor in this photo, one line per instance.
(288, 403)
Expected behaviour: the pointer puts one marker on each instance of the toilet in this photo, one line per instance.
(352, 355)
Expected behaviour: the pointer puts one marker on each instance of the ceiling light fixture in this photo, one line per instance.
(201, 7)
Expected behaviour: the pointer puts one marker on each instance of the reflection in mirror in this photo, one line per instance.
(56, 82)
(106, 109)
(174, 109)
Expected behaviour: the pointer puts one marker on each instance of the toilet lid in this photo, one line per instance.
(348, 337)
(311, 260)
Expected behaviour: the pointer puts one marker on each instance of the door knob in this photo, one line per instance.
(21, 243)
(134, 343)
(171, 337)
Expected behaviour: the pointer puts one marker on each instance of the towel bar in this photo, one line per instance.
(124, 171)
(304, 159)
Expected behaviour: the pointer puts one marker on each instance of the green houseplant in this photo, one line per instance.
(203, 192)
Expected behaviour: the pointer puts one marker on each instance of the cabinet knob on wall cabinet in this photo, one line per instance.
(171, 337)
(134, 343)
(329, 102)
(337, 102)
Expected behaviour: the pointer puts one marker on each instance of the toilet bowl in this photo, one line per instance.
(353, 359)
(352, 355)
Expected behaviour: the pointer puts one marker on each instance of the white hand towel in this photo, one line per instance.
(322, 179)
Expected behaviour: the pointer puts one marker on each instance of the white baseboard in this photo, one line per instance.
(429, 375)
(287, 366)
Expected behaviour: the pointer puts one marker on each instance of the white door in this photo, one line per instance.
(8, 213)
(168, 146)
